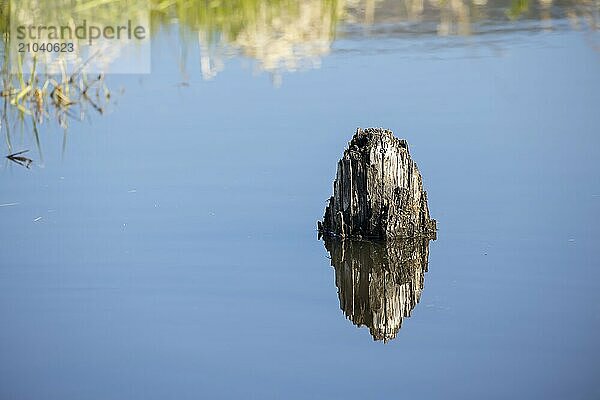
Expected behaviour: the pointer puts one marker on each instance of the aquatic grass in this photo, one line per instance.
(38, 98)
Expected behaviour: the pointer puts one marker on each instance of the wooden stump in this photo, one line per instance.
(378, 191)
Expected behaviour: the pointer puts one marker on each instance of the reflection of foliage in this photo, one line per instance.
(59, 12)
(74, 14)
(281, 35)
(4, 15)
(517, 8)
(231, 18)
(39, 97)
(285, 35)
(226, 18)
(467, 17)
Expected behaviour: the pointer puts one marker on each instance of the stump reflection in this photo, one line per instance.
(379, 284)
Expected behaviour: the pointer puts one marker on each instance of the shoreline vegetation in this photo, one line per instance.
(278, 35)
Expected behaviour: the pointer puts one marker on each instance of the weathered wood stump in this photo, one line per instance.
(378, 191)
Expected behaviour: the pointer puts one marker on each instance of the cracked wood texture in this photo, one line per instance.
(378, 191)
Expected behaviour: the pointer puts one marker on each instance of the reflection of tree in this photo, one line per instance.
(467, 17)
(287, 35)
(280, 35)
(290, 35)
(99, 58)
(379, 284)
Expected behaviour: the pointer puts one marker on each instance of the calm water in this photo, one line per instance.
(170, 251)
